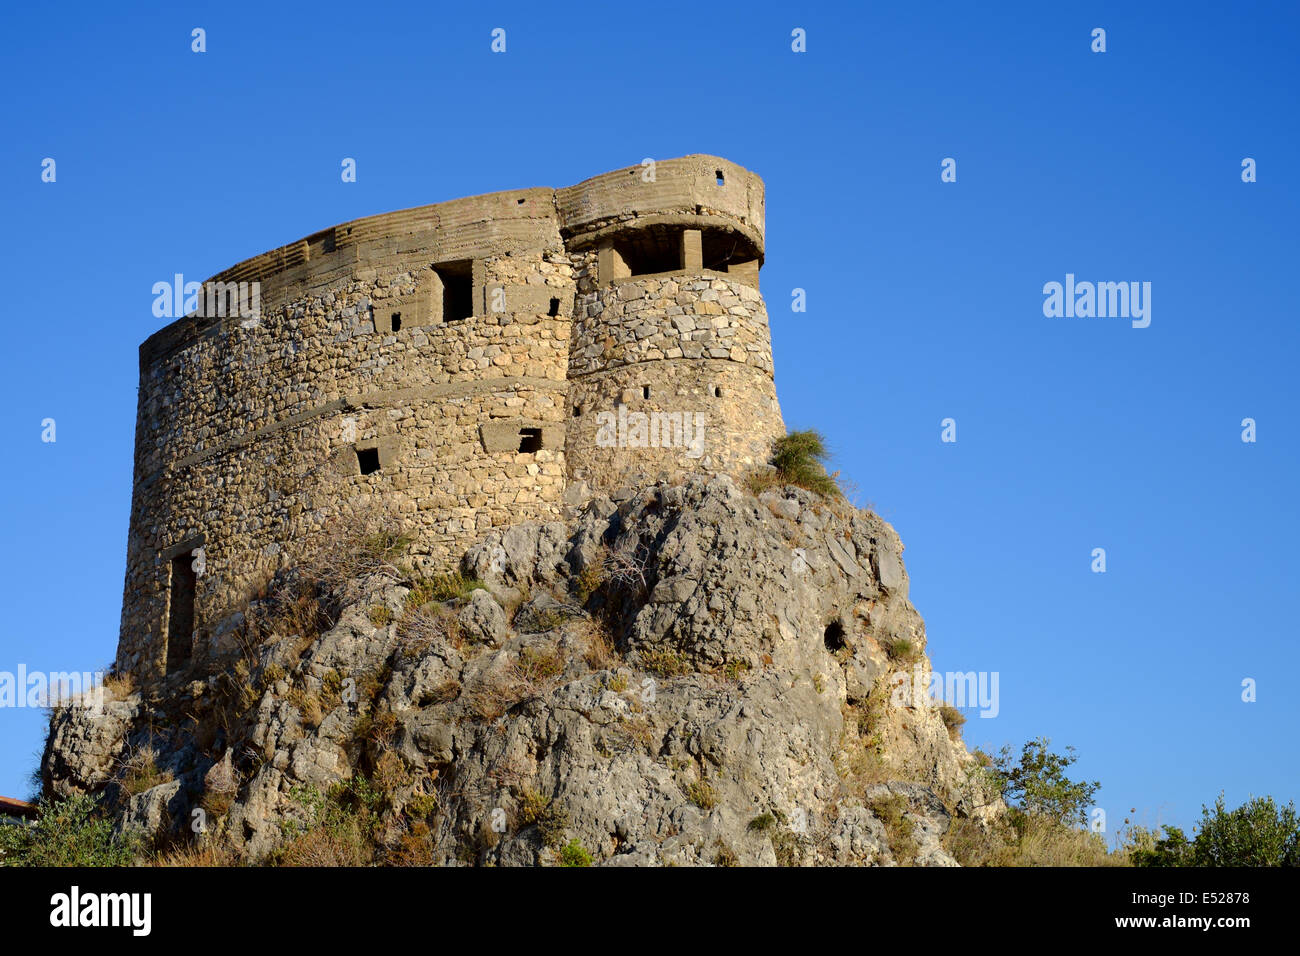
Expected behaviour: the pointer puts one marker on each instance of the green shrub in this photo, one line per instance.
(551, 824)
(532, 805)
(574, 854)
(732, 670)
(1258, 833)
(341, 826)
(551, 821)
(590, 580)
(799, 459)
(1046, 813)
(1037, 785)
(420, 806)
(71, 832)
(664, 662)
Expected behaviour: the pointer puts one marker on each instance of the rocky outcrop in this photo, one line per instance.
(680, 675)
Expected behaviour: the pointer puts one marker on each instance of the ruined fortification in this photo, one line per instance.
(460, 366)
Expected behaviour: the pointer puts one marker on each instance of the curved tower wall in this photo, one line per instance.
(447, 365)
(670, 368)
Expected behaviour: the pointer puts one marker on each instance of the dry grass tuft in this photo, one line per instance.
(1033, 841)
(140, 771)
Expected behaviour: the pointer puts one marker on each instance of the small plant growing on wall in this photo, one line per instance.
(798, 459)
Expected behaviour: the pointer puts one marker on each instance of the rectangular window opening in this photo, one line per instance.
(368, 460)
(396, 321)
(457, 289)
(180, 613)
(650, 251)
(555, 307)
(721, 180)
(530, 440)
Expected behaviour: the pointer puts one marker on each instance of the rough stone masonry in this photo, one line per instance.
(452, 365)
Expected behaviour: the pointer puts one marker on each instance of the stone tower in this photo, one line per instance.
(460, 366)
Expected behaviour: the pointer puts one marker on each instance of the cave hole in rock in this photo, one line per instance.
(834, 637)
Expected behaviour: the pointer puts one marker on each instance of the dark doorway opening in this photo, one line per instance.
(180, 614)
(457, 289)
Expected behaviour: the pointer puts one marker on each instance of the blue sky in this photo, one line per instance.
(924, 300)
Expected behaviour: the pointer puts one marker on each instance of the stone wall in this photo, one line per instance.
(650, 351)
(448, 365)
(247, 438)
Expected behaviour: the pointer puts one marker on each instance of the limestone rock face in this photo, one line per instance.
(682, 674)
(86, 748)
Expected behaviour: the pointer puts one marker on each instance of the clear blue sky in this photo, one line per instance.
(924, 300)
